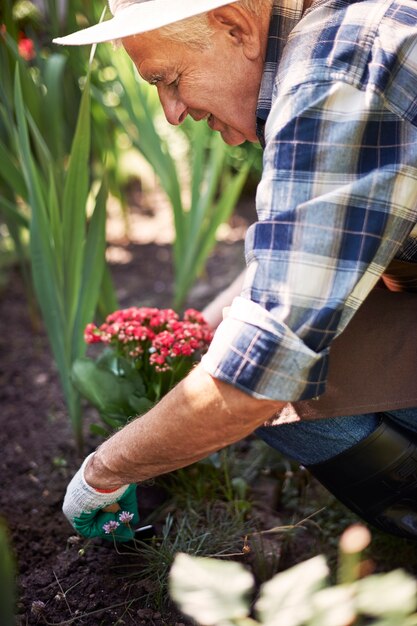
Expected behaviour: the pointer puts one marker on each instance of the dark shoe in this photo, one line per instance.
(377, 478)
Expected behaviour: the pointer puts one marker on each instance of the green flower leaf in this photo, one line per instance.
(96, 429)
(119, 366)
(107, 392)
(140, 405)
(115, 422)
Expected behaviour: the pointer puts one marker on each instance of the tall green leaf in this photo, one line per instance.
(43, 260)
(10, 173)
(92, 275)
(73, 207)
(12, 213)
(53, 109)
(55, 228)
(107, 301)
(202, 239)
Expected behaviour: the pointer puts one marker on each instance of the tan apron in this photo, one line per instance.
(373, 363)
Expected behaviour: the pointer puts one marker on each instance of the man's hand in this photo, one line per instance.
(84, 508)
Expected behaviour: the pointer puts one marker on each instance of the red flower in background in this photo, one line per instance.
(26, 47)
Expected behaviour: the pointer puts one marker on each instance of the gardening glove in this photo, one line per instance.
(83, 508)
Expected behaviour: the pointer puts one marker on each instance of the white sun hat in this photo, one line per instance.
(139, 17)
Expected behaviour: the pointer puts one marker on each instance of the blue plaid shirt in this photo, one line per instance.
(337, 116)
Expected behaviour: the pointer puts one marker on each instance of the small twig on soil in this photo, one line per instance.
(225, 555)
(244, 552)
(64, 593)
(279, 529)
(120, 619)
(84, 615)
(74, 585)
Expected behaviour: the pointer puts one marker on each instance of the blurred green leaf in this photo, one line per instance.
(96, 429)
(334, 606)
(53, 109)
(42, 255)
(41, 152)
(10, 172)
(210, 591)
(92, 272)
(286, 599)
(113, 421)
(7, 580)
(73, 208)
(107, 301)
(140, 404)
(11, 212)
(375, 594)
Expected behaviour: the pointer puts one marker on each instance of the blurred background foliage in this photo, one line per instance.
(201, 176)
(47, 203)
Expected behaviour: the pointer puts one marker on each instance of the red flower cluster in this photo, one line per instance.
(26, 47)
(157, 336)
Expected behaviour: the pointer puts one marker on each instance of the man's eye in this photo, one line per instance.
(174, 83)
(155, 80)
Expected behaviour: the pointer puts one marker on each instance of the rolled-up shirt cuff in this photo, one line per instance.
(256, 353)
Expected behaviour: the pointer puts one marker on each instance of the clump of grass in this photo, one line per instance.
(215, 530)
(210, 480)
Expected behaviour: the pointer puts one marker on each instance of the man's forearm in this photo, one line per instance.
(201, 415)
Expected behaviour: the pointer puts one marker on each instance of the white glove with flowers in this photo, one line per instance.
(83, 507)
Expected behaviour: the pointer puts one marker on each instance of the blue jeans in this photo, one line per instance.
(314, 441)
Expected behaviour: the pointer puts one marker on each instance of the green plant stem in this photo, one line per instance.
(7, 580)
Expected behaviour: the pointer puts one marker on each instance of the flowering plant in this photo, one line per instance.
(148, 350)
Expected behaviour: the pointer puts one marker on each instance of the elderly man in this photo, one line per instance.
(329, 88)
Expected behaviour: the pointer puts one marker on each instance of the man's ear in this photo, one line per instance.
(240, 25)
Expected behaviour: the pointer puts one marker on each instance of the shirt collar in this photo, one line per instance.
(284, 16)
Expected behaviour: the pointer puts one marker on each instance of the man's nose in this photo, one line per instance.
(175, 110)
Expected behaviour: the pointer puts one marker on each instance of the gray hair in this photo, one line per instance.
(194, 31)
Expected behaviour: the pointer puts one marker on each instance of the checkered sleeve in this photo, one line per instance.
(338, 197)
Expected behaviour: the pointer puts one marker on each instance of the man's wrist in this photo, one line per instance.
(99, 477)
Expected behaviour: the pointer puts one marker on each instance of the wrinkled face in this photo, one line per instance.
(219, 84)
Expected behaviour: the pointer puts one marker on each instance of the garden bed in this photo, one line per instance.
(38, 452)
